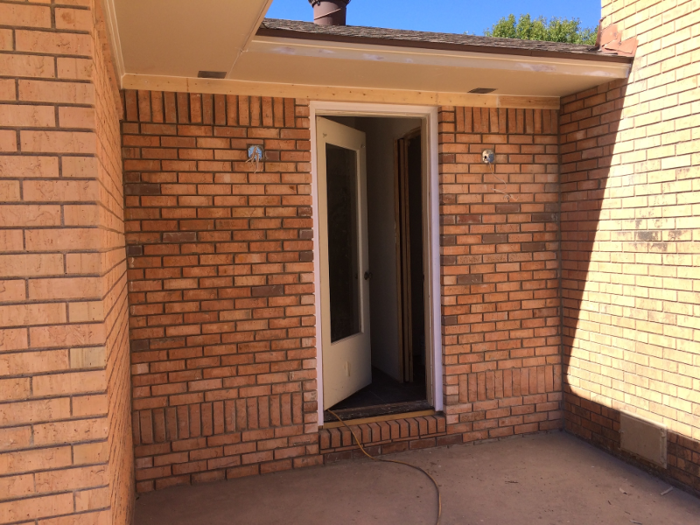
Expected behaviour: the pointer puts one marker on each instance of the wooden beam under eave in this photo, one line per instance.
(333, 93)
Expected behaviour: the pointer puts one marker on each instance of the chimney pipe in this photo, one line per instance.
(329, 12)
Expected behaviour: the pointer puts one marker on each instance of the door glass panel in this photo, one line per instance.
(343, 253)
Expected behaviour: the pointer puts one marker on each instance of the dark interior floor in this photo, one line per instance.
(384, 390)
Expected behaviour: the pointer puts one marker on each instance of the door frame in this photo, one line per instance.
(431, 232)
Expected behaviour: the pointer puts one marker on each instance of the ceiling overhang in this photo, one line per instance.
(181, 37)
(360, 65)
(166, 44)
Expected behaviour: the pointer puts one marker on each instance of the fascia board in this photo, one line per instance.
(431, 57)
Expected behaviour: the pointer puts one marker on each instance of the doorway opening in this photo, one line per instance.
(373, 271)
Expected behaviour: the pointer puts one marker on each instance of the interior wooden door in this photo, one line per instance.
(342, 192)
(409, 216)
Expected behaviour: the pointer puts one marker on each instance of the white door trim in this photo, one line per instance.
(429, 114)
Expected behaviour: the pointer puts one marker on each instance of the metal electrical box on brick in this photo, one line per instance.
(643, 438)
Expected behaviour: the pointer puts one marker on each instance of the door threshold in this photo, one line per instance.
(388, 409)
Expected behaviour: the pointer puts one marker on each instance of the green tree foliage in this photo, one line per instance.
(553, 30)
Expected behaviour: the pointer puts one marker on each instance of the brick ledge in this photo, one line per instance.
(386, 437)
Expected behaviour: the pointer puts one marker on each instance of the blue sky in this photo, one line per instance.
(448, 16)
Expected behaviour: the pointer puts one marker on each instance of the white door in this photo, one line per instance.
(342, 189)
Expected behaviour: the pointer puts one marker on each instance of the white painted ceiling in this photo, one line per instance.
(182, 37)
(358, 65)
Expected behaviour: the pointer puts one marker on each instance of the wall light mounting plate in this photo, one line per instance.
(255, 153)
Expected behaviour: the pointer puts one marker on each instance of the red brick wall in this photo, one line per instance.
(108, 112)
(220, 286)
(630, 251)
(500, 281)
(65, 450)
(221, 294)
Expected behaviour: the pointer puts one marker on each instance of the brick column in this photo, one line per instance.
(630, 239)
(220, 286)
(499, 248)
(65, 450)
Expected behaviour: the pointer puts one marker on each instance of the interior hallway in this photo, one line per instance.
(546, 479)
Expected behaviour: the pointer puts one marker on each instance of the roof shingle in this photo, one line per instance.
(400, 37)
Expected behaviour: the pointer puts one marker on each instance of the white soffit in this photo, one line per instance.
(432, 57)
(326, 63)
(182, 37)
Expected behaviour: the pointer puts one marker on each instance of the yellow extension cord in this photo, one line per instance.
(359, 444)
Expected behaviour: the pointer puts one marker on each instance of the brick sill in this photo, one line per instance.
(405, 432)
(378, 419)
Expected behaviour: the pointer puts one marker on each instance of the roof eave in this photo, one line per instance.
(443, 46)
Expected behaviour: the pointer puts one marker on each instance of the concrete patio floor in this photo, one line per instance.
(549, 479)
